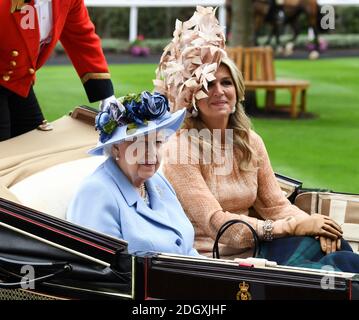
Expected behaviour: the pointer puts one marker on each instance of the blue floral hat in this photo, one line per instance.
(141, 114)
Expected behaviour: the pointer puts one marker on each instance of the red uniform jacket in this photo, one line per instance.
(20, 55)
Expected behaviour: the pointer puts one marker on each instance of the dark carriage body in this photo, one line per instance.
(89, 265)
(78, 262)
(72, 262)
(171, 277)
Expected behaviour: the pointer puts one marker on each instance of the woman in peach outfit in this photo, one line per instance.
(219, 166)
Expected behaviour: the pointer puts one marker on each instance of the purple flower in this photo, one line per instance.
(145, 51)
(136, 51)
(323, 45)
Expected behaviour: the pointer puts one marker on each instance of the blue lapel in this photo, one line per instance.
(158, 211)
(128, 191)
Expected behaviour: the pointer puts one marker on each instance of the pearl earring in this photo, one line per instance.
(117, 158)
(233, 110)
(194, 111)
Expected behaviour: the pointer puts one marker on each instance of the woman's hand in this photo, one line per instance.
(328, 245)
(317, 225)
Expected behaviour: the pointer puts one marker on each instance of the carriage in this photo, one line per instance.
(45, 257)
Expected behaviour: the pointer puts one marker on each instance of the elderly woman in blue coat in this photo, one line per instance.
(126, 197)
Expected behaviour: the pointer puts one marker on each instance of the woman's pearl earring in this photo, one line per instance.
(233, 110)
(194, 111)
(117, 158)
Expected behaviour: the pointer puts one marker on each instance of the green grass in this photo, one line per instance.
(59, 89)
(322, 152)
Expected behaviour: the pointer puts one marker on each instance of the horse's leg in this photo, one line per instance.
(312, 13)
(278, 24)
(278, 44)
(270, 36)
(256, 39)
(314, 53)
(292, 13)
(296, 29)
(257, 26)
(289, 45)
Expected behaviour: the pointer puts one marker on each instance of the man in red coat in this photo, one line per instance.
(29, 31)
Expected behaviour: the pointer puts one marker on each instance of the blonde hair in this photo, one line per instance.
(238, 121)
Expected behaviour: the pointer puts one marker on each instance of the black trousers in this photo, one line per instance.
(18, 114)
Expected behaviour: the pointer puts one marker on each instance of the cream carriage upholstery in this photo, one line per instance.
(42, 169)
(51, 190)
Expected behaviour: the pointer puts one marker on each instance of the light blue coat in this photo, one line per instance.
(109, 203)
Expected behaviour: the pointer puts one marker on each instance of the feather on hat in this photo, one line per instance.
(191, 59)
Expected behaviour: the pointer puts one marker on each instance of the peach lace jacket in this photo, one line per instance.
(213, 193)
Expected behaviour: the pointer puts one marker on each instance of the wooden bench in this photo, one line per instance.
(257, 66)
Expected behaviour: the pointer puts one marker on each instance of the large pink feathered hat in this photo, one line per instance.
(191, 59)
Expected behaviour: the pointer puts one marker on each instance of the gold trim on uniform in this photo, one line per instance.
(96, 76)
(17, 5)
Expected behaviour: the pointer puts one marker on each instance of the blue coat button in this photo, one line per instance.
(178, 242)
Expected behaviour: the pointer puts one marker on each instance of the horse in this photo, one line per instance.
(264, 13)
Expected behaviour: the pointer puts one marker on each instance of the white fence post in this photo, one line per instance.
(222, 16)
(133, 23)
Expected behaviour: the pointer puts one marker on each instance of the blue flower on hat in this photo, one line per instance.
(154, 106)
(139, 109)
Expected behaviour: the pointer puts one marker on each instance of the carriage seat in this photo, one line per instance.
(343, 208)
(50, 191)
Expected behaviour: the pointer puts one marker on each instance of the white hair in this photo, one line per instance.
(107, 150)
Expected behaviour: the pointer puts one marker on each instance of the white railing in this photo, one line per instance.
(154, 3)
(339, 2)
(135, 4)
